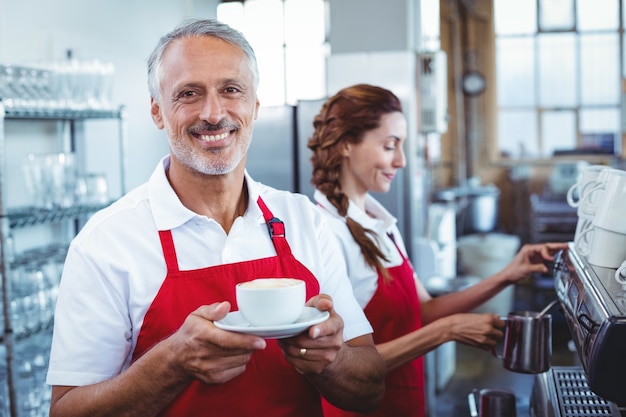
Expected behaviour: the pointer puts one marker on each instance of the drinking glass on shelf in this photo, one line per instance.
(63, 174)
(51, 179)
(37, 180)
(4, 391)
(92, 189)
(29, 392)
(7, 84)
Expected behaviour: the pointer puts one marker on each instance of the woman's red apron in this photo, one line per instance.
(394, 311)
(269, 386)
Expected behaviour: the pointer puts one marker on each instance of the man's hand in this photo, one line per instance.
(313, 350)
(212, 355)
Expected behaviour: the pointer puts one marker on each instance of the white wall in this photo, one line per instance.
(373, 25)
(119, 31)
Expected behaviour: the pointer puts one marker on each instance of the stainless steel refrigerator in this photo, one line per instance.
(272, 157)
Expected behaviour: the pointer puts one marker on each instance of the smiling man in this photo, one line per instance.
(146, 278)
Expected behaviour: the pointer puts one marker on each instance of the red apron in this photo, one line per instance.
(394, 311)
(269, 386)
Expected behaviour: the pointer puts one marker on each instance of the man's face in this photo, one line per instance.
(208, 103)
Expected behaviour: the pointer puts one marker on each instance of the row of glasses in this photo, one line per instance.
(31, 365)
(53, 182)
(4, 384)
(51, 179)
(71, 84)
(83, 84)
(35, 279)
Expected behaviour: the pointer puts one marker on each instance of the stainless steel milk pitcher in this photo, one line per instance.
(527, 342)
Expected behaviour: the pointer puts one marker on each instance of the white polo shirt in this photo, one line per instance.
(364, 278)
(115, 267)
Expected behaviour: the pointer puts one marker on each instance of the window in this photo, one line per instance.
(289, 39)
(558, 75)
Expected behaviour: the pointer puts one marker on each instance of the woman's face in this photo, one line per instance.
(371, 164)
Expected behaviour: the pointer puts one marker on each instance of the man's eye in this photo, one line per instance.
(231, 90)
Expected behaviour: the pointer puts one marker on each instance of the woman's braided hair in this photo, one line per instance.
(345, 118)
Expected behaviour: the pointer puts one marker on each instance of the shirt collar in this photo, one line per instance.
(381, 221)
(169, 212)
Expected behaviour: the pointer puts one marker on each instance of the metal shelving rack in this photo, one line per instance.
(16, 218)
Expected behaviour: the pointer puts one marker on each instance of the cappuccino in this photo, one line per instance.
(270, 283)
(271, 301)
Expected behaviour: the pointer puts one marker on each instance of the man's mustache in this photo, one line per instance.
(209, 127)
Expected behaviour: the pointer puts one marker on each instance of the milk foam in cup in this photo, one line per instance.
(271, 301)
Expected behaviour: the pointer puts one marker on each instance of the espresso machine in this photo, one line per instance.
(594, 305)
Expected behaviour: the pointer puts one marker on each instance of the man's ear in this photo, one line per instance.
(155, 111)
(256, 108)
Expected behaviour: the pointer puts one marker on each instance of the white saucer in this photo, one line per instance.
(235, 322)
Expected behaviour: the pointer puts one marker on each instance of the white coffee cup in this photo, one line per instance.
(612, 205)
(587, 181)
(620, 274)
(607, 248)
(271, 301)
(583, 234)
(592, 193)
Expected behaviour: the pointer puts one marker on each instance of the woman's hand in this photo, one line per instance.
(478, 330)
(532, 258)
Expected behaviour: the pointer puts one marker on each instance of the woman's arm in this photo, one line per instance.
(531, 258)
(478, 330)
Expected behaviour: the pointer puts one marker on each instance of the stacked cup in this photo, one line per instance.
(585, 195)
(607, 236)
(608, 245)
(620, 274)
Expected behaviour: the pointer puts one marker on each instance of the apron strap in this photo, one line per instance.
(405, 258)
(169, 253)
(276, 229)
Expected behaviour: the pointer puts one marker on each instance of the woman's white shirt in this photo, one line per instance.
(363, 277)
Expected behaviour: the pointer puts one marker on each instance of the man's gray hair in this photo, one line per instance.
(198, 27)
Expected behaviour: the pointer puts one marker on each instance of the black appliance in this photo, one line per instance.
(594, 305)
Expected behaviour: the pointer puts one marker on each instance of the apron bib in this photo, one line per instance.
(394, 311)
(269, 386)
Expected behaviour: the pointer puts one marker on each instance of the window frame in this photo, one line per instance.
(284, 88)
(541, 110)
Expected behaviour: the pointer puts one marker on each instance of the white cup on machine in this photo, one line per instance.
(591, 192)
(607, 243)
(583, 235)
(585, 195)
(620, 274)
(586, 182)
